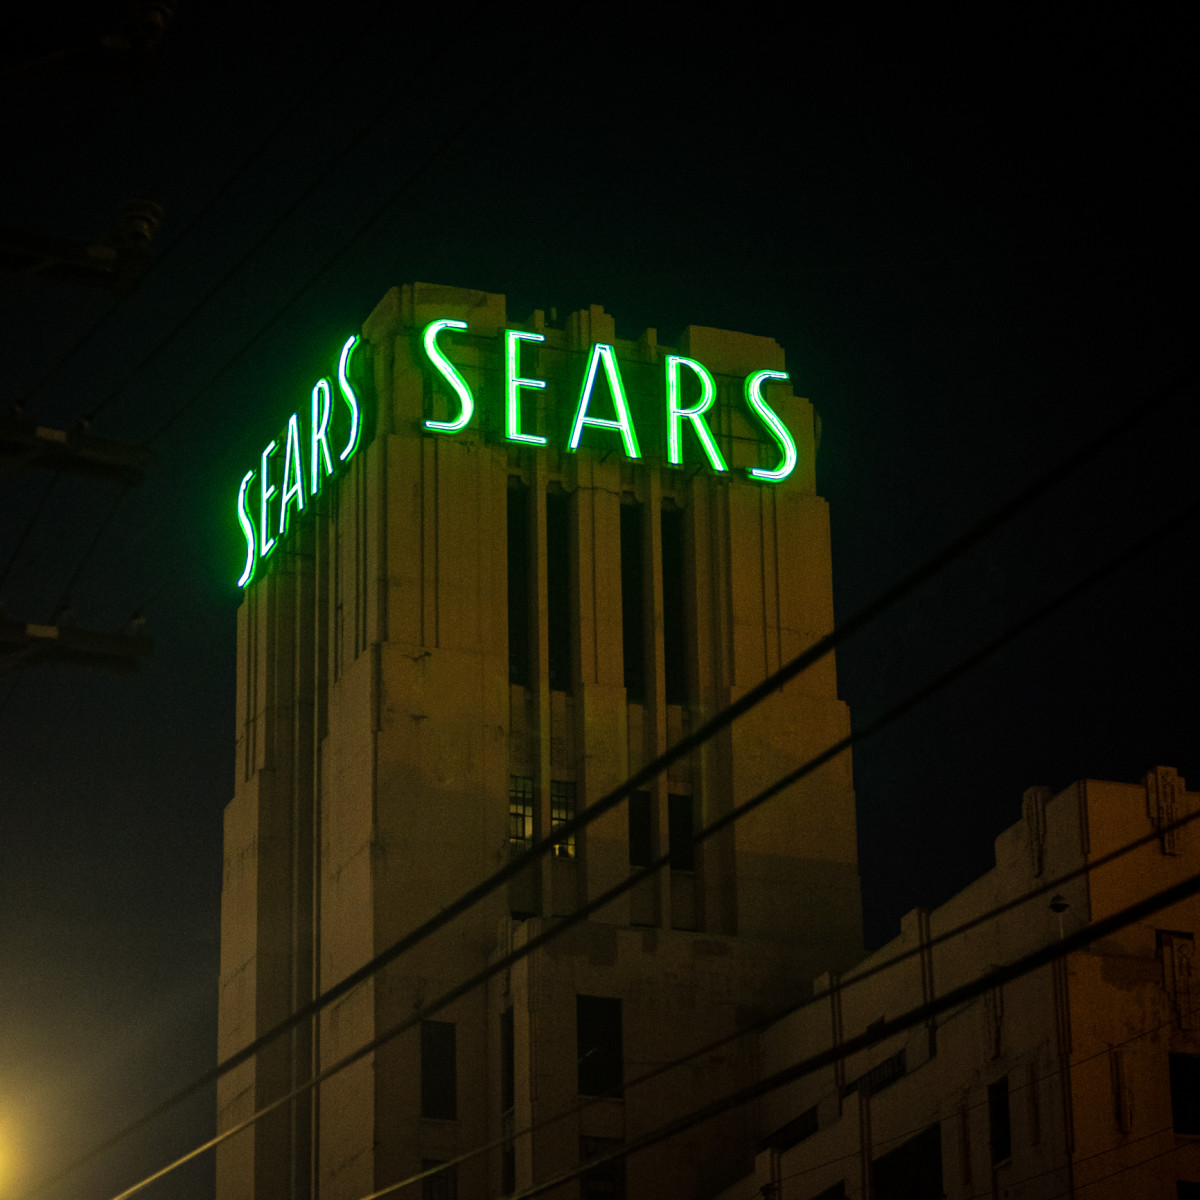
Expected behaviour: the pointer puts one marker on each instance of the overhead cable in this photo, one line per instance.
(886, 1029)
(545, 936)
(927, 570)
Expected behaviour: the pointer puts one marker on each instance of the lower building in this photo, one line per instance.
(1081, 1079)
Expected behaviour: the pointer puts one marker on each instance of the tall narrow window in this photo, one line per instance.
(520, 812)
(913, 1171)
(439, 1071)
(1185, 1093)
(508, 1061)
(999, 1121)
(598, 1040)
(633, 632)
(674, 619)
(682, 843)
(508, 1091)
(641, 850)
(562, 810)
(605, 1180)
(443, 1185)
(518, 583)
(558, 587)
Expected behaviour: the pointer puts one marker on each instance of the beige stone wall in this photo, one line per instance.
(373, 658)
(1083, 1043)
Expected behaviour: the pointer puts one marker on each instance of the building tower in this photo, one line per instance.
(544, 559)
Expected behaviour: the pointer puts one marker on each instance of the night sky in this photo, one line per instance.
(973, 237)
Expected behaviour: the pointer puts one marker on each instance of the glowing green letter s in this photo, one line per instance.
(248, 530)
(350, 398)
(448, 372)
(775, 427)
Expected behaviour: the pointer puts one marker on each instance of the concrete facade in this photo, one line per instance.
(392, 714)
(1081, 1079)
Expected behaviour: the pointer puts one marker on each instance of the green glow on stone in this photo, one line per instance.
(350, 398)
(448, 372)
(676, 415)
(266, 543)
(513, 383)
(321, 400)
(247, 529)
(293, 474)
(775, 427)
(624, 423)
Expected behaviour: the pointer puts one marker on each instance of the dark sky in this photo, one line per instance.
(973, 236)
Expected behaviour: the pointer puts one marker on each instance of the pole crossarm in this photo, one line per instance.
(76, 451)
(24, 641)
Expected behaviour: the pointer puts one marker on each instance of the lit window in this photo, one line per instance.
(562, 810)
(520, 812)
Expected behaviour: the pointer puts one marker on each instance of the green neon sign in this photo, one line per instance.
(282, 491)
(680, 375)
(623, 422)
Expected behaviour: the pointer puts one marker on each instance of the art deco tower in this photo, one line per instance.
(467, 636)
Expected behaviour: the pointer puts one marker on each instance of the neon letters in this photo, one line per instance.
(293, 465)
(602, 361)
(306, 462)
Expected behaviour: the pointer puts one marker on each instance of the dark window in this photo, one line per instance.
(439, 1082)
(518, 583)
(562, 810)
(520, 812)
(793, 1133)
(641, 849)
(604, 1181)
(878, 1077)
(999, 1121)
(558, 588)
(837, 1192)
(443, 1185)
(598, 1041)
(508, 1064)
(1185, 1093)
(507, 1061)
(913, 1171)
(674, 640)
(1187, 1191)
(633, 632)
(682, 845)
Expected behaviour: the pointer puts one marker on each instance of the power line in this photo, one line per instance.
(930, 689)
(290, 211)
(932, 566)
(899, 1138)
(534, 943)
(886, 1029)
(844, 983)
(317, 84)
(362, 230)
